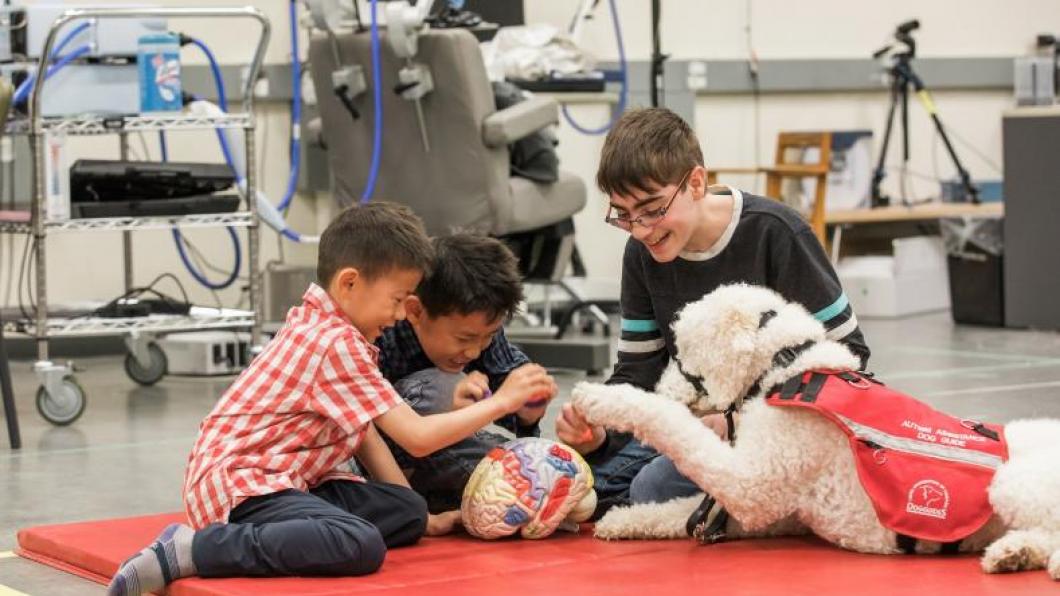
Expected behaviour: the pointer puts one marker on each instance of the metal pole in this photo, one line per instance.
(126, 236)
(878, 200)
(253, 236)
(38, 148)
(657, 57)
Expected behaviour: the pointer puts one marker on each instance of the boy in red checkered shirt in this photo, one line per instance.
(263, 489)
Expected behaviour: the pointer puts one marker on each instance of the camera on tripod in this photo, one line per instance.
(902, 33)
(904, 79)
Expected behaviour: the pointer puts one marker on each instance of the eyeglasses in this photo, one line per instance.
(648, 218)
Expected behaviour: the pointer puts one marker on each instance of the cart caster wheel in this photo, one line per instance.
(153, 372)
(64, 408)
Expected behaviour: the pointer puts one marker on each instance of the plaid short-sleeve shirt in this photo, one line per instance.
(300, 409)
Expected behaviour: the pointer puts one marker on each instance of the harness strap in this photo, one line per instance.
(766, 317)
(791, 387)
(730, 424)
(696, 382)
(783, 358)
(813, 388)
(698, 528)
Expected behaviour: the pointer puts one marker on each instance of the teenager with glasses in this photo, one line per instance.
(685, 241)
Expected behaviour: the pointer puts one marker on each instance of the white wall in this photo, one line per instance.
(698, 29)
(86, 265)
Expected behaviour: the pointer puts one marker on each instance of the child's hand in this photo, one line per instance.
(717, 423)
(472, 388)
(526, 385)
(574, 430)
(531, 413)
(443, 523)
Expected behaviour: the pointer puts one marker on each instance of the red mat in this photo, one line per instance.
(565, 564)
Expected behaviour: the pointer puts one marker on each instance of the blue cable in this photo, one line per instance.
(69, 37)
(23, 91)
(623, 94)
(222, 101)
(215, 68)
(296, 112)
(377, 97)
(199, 277)
(178, 239)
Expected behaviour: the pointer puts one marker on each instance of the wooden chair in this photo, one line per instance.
(789, 164)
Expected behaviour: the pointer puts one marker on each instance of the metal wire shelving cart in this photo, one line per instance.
(60, 399)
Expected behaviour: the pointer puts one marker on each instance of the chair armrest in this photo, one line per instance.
(513, 123)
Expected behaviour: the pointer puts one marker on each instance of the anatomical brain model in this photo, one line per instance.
(529, 485)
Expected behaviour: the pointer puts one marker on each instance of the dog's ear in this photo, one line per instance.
(745, 330)
(742, 331)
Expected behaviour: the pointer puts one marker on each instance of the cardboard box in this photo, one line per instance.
(911, 280)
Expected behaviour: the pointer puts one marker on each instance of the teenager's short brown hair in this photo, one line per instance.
(645, 149)
(471, 274)
(375, 238)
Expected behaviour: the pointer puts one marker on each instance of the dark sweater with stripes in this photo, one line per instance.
(766, 244)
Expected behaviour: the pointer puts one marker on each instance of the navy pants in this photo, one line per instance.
(613, 477)
(339, 528)
(441, 476)
(660, 481)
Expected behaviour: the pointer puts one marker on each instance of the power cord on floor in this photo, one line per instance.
(129, 303)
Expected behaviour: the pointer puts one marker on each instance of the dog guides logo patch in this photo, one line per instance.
(928, 498)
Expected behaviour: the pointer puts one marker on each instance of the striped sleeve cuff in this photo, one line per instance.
(838, 318)
(640, 337)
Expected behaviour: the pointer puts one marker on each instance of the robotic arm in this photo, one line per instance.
(404, 22)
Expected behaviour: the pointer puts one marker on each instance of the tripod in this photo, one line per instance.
(902, 79)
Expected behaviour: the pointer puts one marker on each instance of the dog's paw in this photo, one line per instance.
(613, 526)
(1012, 552)
(622, 523)
(596, 402)
(644, 521)
(1054, 565)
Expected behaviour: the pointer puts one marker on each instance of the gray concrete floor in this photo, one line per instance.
(126, 455)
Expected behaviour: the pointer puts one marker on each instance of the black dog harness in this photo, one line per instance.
(697, 526)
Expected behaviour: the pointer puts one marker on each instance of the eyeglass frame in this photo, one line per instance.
(660, 212)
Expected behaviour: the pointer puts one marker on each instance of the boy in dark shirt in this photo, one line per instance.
(685, 241)
(451, 352)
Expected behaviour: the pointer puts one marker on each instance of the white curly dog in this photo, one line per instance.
(791, 471)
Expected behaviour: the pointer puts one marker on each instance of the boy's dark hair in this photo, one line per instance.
(471, 274)
(645, 149)
(375, 239)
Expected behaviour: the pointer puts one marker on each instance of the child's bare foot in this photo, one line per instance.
(442, 523)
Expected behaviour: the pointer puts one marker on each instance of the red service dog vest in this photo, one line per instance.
(926, 472)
